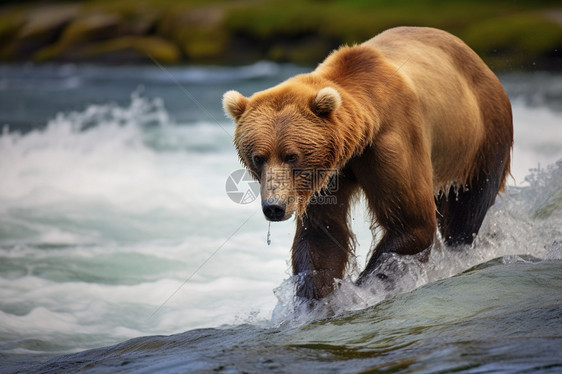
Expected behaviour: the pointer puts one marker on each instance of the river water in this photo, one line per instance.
(115, 225)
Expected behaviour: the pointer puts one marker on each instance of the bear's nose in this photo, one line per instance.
(273, 209)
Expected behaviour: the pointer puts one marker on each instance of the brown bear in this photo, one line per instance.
(413, 118)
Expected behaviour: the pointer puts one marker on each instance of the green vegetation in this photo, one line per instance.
(508, 34)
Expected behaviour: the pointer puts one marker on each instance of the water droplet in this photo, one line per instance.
(268, 234)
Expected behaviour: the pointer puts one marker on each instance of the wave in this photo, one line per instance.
(540, 89)
(536, 140)
(131, 163)
(44, 78)
(217, 74)
(500, 316)
(105, 213)
(48, 77)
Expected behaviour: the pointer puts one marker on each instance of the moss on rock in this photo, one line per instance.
(197, 32)
(515, 40)
(138, 48)
(82, 31)
(508, 34)
(526, 32)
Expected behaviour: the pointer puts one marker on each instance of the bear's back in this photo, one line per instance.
(445, 73)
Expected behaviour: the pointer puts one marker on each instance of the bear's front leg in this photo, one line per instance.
(320, 253)
(396, 176)
(322, 244)
(396, 242)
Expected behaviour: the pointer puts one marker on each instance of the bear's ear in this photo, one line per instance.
(326, 101)
(234, 104)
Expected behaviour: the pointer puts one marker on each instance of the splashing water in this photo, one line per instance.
(527, 221)
(106, 210)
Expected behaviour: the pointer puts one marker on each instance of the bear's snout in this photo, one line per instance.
(274, 209)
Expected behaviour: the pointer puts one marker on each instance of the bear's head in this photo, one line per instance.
(286, 137)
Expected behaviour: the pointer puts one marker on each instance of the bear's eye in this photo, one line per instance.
(291, 158)
(258, 160)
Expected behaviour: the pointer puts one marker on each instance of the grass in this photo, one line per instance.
(511, 28)
(221, 31)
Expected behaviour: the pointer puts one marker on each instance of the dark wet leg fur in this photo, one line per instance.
(460, 212)
(323, 243)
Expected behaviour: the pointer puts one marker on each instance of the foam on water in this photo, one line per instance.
(104, 162)
(107, 212)
(537, 139)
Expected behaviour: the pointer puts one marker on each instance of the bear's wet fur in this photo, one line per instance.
(413, 118)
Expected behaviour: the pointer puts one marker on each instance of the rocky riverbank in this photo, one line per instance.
(509, 35)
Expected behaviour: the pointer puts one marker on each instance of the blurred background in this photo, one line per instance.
(508, 34)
